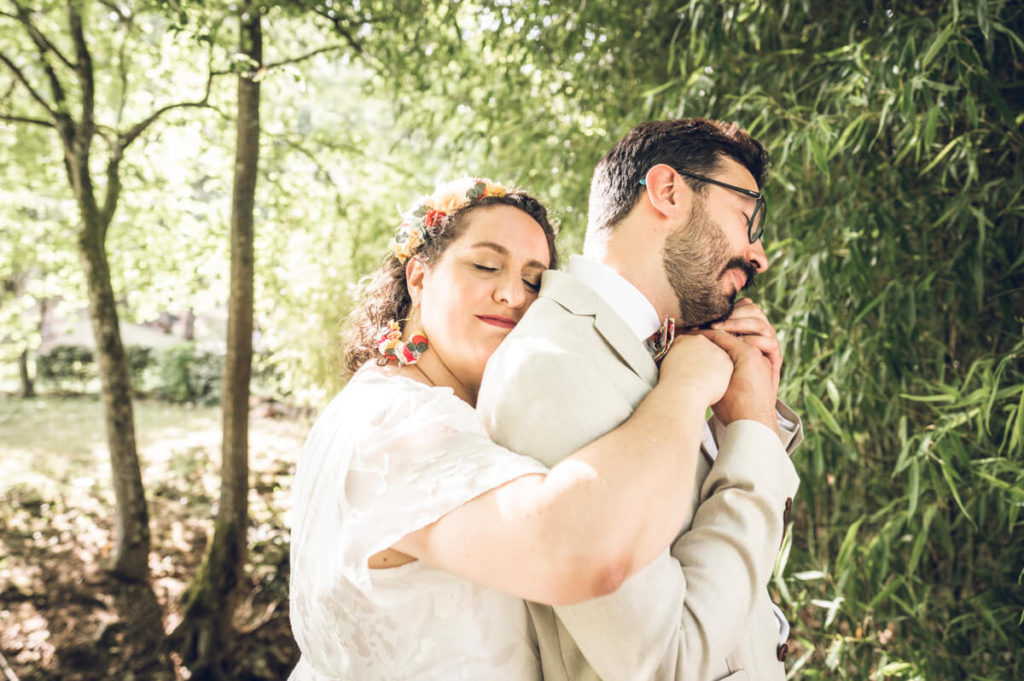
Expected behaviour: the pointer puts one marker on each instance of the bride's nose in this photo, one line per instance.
(511, 291)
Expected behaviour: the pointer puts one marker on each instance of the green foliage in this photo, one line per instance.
(68, 368)
(66, 365)
(899, 290)
(895, 233)
(186, 373)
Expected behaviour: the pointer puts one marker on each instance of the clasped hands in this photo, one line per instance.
(745, 386)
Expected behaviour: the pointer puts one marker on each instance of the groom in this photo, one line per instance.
(673, 231)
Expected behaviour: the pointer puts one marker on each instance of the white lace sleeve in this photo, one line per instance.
(390, 456)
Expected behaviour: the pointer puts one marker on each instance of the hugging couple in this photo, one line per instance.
(519, 480)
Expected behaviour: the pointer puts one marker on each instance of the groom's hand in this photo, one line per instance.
(751, 391)
(750, 322)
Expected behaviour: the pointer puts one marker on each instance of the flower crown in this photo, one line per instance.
(446, 200)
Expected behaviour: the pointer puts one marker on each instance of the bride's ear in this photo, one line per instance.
(414, 271)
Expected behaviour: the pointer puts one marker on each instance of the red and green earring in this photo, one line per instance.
(391, 346)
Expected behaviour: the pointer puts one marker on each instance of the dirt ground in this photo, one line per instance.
(61, 615)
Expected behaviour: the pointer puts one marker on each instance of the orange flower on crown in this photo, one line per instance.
(450, 202)
(492, 189)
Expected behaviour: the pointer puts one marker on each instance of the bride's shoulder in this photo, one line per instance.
(381, 398)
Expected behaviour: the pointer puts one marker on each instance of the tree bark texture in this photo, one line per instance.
(131, 552)
(189, 325)
(206, 633)
(131, 548)
(28, 389)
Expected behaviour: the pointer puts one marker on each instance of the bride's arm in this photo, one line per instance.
(601, 514)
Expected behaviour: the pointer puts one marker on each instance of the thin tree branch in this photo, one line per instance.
(59, 98)
(25, 119)
(113, 188)
(122, 69)
(343, 31)
(302, 57)
(116, 8)
(108, 134)
(83, 66)
(354, 149)
(128, 137)
(41, 41)
(28, 86)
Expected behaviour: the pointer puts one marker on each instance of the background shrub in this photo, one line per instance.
(66, 367)
(186, 373)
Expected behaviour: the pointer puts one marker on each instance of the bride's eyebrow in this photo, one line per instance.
(498, 248)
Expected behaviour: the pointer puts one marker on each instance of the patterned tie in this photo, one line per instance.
(660, 341)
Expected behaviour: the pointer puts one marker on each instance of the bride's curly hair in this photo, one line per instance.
(384, 295)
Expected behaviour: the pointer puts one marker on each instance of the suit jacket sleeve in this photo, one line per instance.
(677, 617)
(791, 428)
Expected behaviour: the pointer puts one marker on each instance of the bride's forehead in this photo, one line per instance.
(504, 228)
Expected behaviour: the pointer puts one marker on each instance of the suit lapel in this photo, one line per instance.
(580, 299)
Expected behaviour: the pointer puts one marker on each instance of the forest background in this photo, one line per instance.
(189, 162)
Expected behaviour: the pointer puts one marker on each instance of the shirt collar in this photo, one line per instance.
(624, 298)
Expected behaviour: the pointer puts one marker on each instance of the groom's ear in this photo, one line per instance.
(667, 191)
(414, 271)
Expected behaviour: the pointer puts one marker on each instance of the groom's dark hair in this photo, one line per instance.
(694, 145)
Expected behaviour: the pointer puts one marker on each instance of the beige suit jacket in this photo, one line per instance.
(571, 371)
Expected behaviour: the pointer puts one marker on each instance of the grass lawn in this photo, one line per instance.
(60, 443)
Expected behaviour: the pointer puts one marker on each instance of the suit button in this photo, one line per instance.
(782, 652)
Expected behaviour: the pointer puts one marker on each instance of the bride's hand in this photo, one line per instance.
(696, 363)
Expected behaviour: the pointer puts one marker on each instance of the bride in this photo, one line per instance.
(415, 538)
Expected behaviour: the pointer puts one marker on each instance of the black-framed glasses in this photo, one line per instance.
(755, 223)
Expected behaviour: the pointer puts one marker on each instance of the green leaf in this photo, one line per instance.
(843, 557)
(823, 414)
(920, 541)
(895, 669)
(941, 155)
(947, 473)
(937, 44)
(929, 127)
(914, 489)
(870, 306)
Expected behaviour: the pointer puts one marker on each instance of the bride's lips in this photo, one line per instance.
(497, 320)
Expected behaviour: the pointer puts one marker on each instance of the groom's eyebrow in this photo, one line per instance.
(504, 251)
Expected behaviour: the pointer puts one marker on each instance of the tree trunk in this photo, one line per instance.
(131, 552)
(27, 387)
(205, 634)
(189, 326)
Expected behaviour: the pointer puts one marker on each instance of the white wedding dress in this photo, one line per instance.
(388, 456)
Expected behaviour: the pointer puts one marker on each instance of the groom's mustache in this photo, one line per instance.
(743, 265)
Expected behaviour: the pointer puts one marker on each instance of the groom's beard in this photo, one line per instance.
(696, 258)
